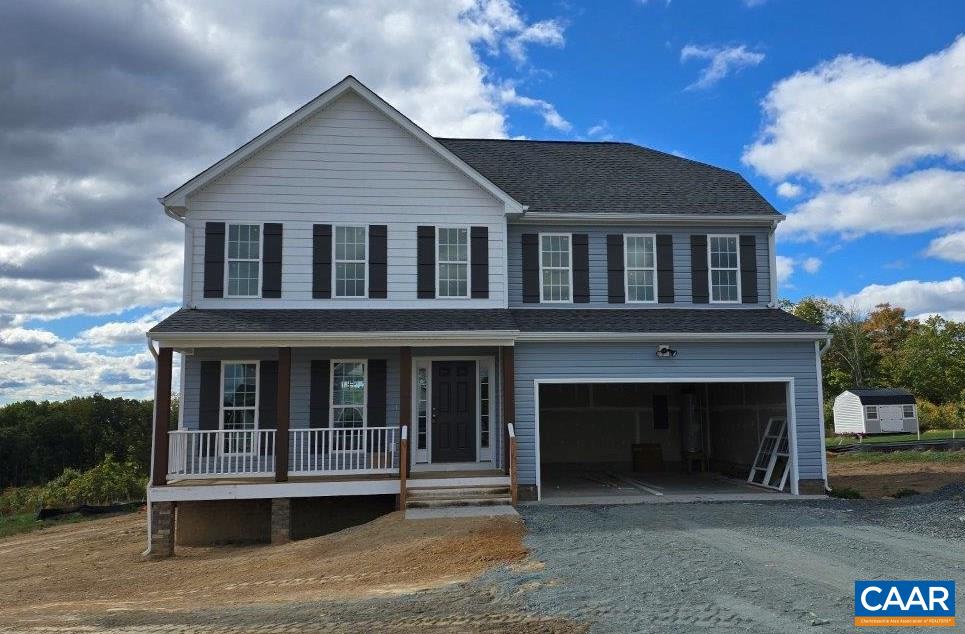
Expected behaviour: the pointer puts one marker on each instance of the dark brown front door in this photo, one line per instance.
(453, 411)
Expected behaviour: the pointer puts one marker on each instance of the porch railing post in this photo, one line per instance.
(283, 414)
(162, 416)
(513, 467)
(403, 462)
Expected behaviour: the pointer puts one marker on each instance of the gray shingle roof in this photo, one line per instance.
(580, 177)
(333, 320)
(884, 396)
(764, 320)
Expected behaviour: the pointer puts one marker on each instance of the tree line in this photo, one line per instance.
(884, 348)
(39, 440)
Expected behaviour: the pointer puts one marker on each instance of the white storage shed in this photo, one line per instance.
(875, 411)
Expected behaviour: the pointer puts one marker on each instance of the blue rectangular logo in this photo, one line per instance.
(886, 602)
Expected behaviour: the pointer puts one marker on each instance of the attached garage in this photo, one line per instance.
(616, 438)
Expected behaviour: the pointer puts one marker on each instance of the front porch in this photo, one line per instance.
(313, 422)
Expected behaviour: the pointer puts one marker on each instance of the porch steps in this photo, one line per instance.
(457, 496)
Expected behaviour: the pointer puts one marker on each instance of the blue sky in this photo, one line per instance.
(848, 116)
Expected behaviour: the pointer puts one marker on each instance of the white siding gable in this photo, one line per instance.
(347, 164)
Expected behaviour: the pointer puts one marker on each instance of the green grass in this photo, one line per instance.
(935, 434)
(877, 457)
(27, 522)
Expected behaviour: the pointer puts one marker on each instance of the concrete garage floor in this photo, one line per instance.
(592, 486)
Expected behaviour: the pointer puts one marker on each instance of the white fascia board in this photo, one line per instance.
(543, 217)
(176, 201)
(261, 490)
(668, 336)
(335, 339)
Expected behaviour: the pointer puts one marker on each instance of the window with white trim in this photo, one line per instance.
(244, 260)
(485, 399)
(908, 411)
(239, 404)
(640, 268)
(452, 245)
(724, 269)
(556, 270)
(348, 393)
(350, 261)
(872, 412)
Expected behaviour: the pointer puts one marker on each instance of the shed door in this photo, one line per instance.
(891, 418)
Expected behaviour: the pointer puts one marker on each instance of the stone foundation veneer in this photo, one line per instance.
(162, 529)
(281, 520)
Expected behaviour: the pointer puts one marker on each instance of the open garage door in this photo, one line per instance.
(652, 440)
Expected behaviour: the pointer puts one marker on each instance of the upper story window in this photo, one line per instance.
(348, 393)
(908, 411)
(453, 262)
(244, 260)
(556, 267)
(640, 268)
(872, 412)
(350, 261)
(724, 269)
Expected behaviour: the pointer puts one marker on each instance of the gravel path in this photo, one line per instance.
(728, 567)
(758, 567)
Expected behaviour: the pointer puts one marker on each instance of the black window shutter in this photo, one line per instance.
(375, 408)
(426, 262)
(320, 384)
(665, 292)
(614, 268)
(479, 261)
(378, 261)
(748, 256)
(271, 261)
(531, 268)
(209, 401)
(268, 395)
(698, 269)
(214, 259)
(322, 261)
(581, 268)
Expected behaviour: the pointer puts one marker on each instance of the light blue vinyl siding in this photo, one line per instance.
(300, 380)
(598, 265)
(548, 361)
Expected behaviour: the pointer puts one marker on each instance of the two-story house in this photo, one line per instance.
(369, 310)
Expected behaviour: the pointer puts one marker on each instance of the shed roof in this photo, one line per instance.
(884, 396)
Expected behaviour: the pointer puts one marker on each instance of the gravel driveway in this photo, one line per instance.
(762, 567)
(725, 567)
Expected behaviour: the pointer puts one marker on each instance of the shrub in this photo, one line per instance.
(20, 500)
(845, 492)
(945, 416)
(109, 481)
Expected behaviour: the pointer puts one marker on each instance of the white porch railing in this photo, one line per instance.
(221, 452)
(344, 451)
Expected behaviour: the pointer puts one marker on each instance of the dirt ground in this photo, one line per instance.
(96, 567)
(887, 478)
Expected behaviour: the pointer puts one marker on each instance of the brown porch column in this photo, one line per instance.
(283, 413)
(509, 397)
(405, 388)
(162, 416)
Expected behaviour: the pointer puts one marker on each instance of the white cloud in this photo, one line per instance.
(946, 297)
(116, 333)
(723, 61)
(812, 264)
(546, 33)
(785, 269)
(508, 96)
(950, 247)
(856, 118)
(789, 190)
(919, 201)
(25, 340)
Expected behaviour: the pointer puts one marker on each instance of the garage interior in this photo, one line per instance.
(654, 441)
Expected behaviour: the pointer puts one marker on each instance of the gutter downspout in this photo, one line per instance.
(150, 347)
(772, 254)
(820, 350)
